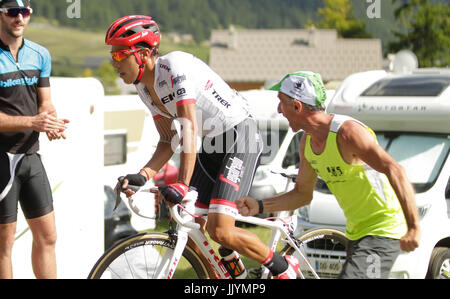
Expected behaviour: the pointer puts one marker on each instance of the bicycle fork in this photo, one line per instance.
(172, 257)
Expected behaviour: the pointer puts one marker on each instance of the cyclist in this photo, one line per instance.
(25, 110)
(371, 188)
(178, 86)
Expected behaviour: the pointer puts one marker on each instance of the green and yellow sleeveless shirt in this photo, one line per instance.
(368, 200)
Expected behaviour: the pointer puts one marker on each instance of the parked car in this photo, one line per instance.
(410, 115)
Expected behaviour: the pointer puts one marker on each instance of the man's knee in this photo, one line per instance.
(47, 239)
(7, 235)
(221, 235)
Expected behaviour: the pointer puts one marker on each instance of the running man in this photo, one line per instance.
(370, 186)
(178, 86)
(25, 110)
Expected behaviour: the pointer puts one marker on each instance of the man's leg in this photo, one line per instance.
(222, 229)
(7, 232)
(44, 240)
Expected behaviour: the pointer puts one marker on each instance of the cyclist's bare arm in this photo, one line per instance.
(164, 150)
(188, 141)
(301, 195)
(355, 140)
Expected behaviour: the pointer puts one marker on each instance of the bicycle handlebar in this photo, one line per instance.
(120, 190)
(292, 177)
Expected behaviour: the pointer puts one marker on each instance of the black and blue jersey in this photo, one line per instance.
(19, 82)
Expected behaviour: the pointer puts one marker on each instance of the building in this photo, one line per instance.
(249, 59)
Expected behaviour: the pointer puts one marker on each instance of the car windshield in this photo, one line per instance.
(410, 86)
(421, 155)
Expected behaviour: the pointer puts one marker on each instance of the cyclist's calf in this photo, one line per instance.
(221, 228)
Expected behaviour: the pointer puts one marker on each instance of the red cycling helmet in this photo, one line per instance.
(134, 31)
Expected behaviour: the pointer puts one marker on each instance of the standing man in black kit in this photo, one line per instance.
(25, 111)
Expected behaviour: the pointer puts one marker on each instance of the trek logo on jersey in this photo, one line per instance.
(26, 81)
(164, 67)
(221, 100)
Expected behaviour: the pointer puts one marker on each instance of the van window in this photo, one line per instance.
(272, 140)
(292, 157)
(409, 86)
(422, 156)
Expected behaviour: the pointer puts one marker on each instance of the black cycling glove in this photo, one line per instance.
(136, 179)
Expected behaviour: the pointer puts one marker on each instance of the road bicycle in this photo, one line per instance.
(185, 252)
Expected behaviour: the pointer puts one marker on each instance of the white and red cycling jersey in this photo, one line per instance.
(181, 78)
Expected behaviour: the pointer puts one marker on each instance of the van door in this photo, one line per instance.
(292, 157)
(447, 197)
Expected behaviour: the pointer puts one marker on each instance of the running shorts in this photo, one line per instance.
(225, 167)
(23, 179)
(370, 257)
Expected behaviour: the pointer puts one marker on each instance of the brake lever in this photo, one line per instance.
(120, 190)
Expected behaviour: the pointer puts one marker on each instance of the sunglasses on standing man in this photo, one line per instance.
(15, 11)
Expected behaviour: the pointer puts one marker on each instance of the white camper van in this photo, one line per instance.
(73, 166)
(411, 117)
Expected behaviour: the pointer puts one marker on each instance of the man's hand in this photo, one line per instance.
(131, 179)
(58, 134)
(247, 206)
(47, 122)
(411, 240)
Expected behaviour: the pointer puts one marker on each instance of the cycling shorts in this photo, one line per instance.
(24, 180)
(225, 167)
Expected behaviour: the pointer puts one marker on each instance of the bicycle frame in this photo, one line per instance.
(188, 228)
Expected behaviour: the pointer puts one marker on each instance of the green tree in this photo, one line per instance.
(427, 31)
(338, 14)
(108, 78)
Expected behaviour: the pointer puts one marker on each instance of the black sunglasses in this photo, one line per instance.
(15, 11)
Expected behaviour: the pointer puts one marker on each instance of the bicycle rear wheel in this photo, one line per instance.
(139, 256)
(324, 248)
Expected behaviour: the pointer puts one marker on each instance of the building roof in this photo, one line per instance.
(266, 55)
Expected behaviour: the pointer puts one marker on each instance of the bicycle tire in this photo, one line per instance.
(136, 257)
(324, 248)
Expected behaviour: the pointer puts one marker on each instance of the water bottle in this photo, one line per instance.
(232, 262)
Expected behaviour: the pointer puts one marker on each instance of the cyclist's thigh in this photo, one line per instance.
(370, 257)
(234, 181)
(35, 194)
(8, 205)
(204, 176)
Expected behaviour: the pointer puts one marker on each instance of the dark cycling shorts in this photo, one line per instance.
(30, 187)
(225, 167)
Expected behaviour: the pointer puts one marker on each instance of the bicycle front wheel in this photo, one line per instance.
(140, 257)
(324, 248)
